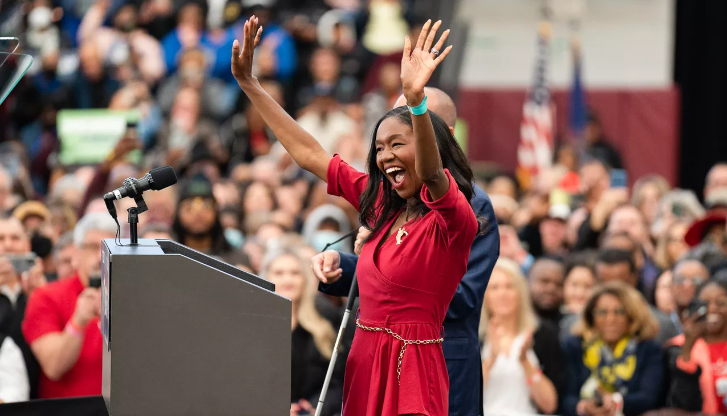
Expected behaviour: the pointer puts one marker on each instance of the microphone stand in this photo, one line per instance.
(352, 294)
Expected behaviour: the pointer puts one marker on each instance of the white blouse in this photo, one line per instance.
(506, 391)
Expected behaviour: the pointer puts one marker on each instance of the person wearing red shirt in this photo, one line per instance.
(62, 319)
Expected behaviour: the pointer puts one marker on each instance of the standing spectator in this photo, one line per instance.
(696, 358)
(671, 246)
(94, 84)
(188, 33)
(62, 319)
(716, 179)
(618, 265)
(197, 223)
(324, 119)
(313, 336)
(578, 285)
(646, 270)
(663, 297)
(597, 145)
(600, 202)
(63, 253)
(612, 352)
(648, 191)
(14, 377)
(512, 375)
(125, 41)
(688, 275)
(546, 289)
(676, 206)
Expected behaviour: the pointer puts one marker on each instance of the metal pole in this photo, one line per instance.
(352, 294)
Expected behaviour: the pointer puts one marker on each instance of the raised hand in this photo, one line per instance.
(241, 64)
(418, 64)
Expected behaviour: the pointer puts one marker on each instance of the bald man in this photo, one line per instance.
(461, 347)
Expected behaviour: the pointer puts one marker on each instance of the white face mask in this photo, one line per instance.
(40, 17)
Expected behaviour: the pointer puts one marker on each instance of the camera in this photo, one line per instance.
(22, 262)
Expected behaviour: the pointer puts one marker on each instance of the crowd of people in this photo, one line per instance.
(605, 300)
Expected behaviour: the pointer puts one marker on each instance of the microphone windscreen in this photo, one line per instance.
(162, 177)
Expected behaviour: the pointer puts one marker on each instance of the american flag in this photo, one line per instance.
(535, 150)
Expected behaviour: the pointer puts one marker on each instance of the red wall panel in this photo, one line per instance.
(642, 124)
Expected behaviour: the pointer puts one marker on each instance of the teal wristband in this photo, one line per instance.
(420, 109)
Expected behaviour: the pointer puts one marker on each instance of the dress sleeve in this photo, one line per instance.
(456, 213)
(345, 181)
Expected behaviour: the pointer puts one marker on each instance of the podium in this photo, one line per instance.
(186, 334)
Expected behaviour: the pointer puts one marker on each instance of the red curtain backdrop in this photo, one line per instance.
(643, 124)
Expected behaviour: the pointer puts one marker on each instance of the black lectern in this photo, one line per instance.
(186, 334)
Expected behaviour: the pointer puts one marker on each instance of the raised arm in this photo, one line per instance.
(417, 66)
(304, 148)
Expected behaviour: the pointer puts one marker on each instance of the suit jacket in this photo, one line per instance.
(644, 388)
(461, 346)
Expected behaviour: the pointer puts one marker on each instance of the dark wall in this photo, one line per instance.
(700, 71)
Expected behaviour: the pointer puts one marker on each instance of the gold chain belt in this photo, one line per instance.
(403, 347)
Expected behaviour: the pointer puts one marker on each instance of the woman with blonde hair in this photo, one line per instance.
(312, 335)
(512, 378)
(614, 366)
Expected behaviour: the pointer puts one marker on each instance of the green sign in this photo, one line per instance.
(88, 136)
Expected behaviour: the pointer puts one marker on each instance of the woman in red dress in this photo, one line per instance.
(415, 199)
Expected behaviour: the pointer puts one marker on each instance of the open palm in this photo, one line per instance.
(241, 64)
(418, 64)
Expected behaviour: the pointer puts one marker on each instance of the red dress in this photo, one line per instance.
(407, 289)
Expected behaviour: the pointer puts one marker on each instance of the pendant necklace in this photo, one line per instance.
(401, 233)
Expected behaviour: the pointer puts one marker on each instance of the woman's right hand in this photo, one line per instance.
(694, 329)
(242, 62)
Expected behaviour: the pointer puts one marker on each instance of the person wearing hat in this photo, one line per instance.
(197, 223)
(32, 214)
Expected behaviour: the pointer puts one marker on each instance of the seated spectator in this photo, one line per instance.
(612, 352)
(696, 358)
(197, 223)
(313, 336)
(671, 246)
(512, 376)
(62, 319)
(687, 276)
(546, 289)
(578, 285)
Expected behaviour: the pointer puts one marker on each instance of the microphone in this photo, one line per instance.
(156, 179)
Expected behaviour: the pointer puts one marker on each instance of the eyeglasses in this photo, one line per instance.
(602, 313)
(682, 280)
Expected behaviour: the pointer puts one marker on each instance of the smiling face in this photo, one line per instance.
(716, 299)
(395, 147)
(610, 319)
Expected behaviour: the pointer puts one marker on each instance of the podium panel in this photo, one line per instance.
(185, 334)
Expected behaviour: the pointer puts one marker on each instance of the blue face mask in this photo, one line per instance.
(320, 239)
(234, 237)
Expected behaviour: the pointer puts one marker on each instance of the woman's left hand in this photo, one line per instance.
(418, 64)
(527, 345)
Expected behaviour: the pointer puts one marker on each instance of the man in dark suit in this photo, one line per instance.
(461, 347)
